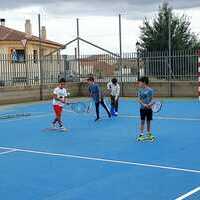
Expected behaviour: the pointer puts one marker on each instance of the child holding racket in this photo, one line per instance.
(114, 89)
(145, 96)
(95, 93)
(59, 99)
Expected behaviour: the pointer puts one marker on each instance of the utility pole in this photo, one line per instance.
(78, 49)
(40, 58)
(120, 53)
(170, 54)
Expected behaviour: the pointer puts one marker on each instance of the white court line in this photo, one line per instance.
(121, 116)
(163, 118)
(137, 117)
(6, 152)
(188, 194)
(104, 160)
(155, 117)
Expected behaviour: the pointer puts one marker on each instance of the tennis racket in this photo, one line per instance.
(107, 101)
(89, 107)
(79, 107)
(156, 106)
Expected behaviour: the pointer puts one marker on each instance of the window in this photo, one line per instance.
(18, 55)
(35, 56)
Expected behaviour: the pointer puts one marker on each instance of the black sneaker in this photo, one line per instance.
(97, 119)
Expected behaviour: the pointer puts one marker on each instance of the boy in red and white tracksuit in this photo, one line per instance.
(59, 99)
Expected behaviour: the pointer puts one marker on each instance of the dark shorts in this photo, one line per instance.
(146, 114)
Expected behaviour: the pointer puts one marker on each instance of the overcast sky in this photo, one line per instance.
(98, 19)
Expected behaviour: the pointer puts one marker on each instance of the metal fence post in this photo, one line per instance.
(138, 60)
(198, 53)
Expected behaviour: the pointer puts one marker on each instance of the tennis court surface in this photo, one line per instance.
(103, 160)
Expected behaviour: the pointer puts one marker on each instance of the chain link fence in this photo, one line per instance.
(158, 66)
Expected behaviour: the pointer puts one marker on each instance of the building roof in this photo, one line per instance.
(8, 34)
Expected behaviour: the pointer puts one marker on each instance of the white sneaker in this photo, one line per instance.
(53, 125)
(115, 114)
(62, 128)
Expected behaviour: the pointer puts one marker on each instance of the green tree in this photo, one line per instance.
(155, 35)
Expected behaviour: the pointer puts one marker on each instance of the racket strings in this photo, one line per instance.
(80, 107)
(157, 106)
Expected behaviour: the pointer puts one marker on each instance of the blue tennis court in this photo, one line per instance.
(103, 160)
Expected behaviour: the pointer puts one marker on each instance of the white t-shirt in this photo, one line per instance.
(61, 93)
(114, 89)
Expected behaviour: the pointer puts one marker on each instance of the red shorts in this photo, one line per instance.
(58, 110)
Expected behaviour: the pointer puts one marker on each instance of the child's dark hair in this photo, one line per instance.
(91, 78)
(62, 80)
(114, 81)
(144, 79)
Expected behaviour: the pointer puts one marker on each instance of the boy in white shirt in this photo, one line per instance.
(59, 99)
(114, 89)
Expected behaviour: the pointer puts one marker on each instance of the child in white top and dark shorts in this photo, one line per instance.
(114, 89)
